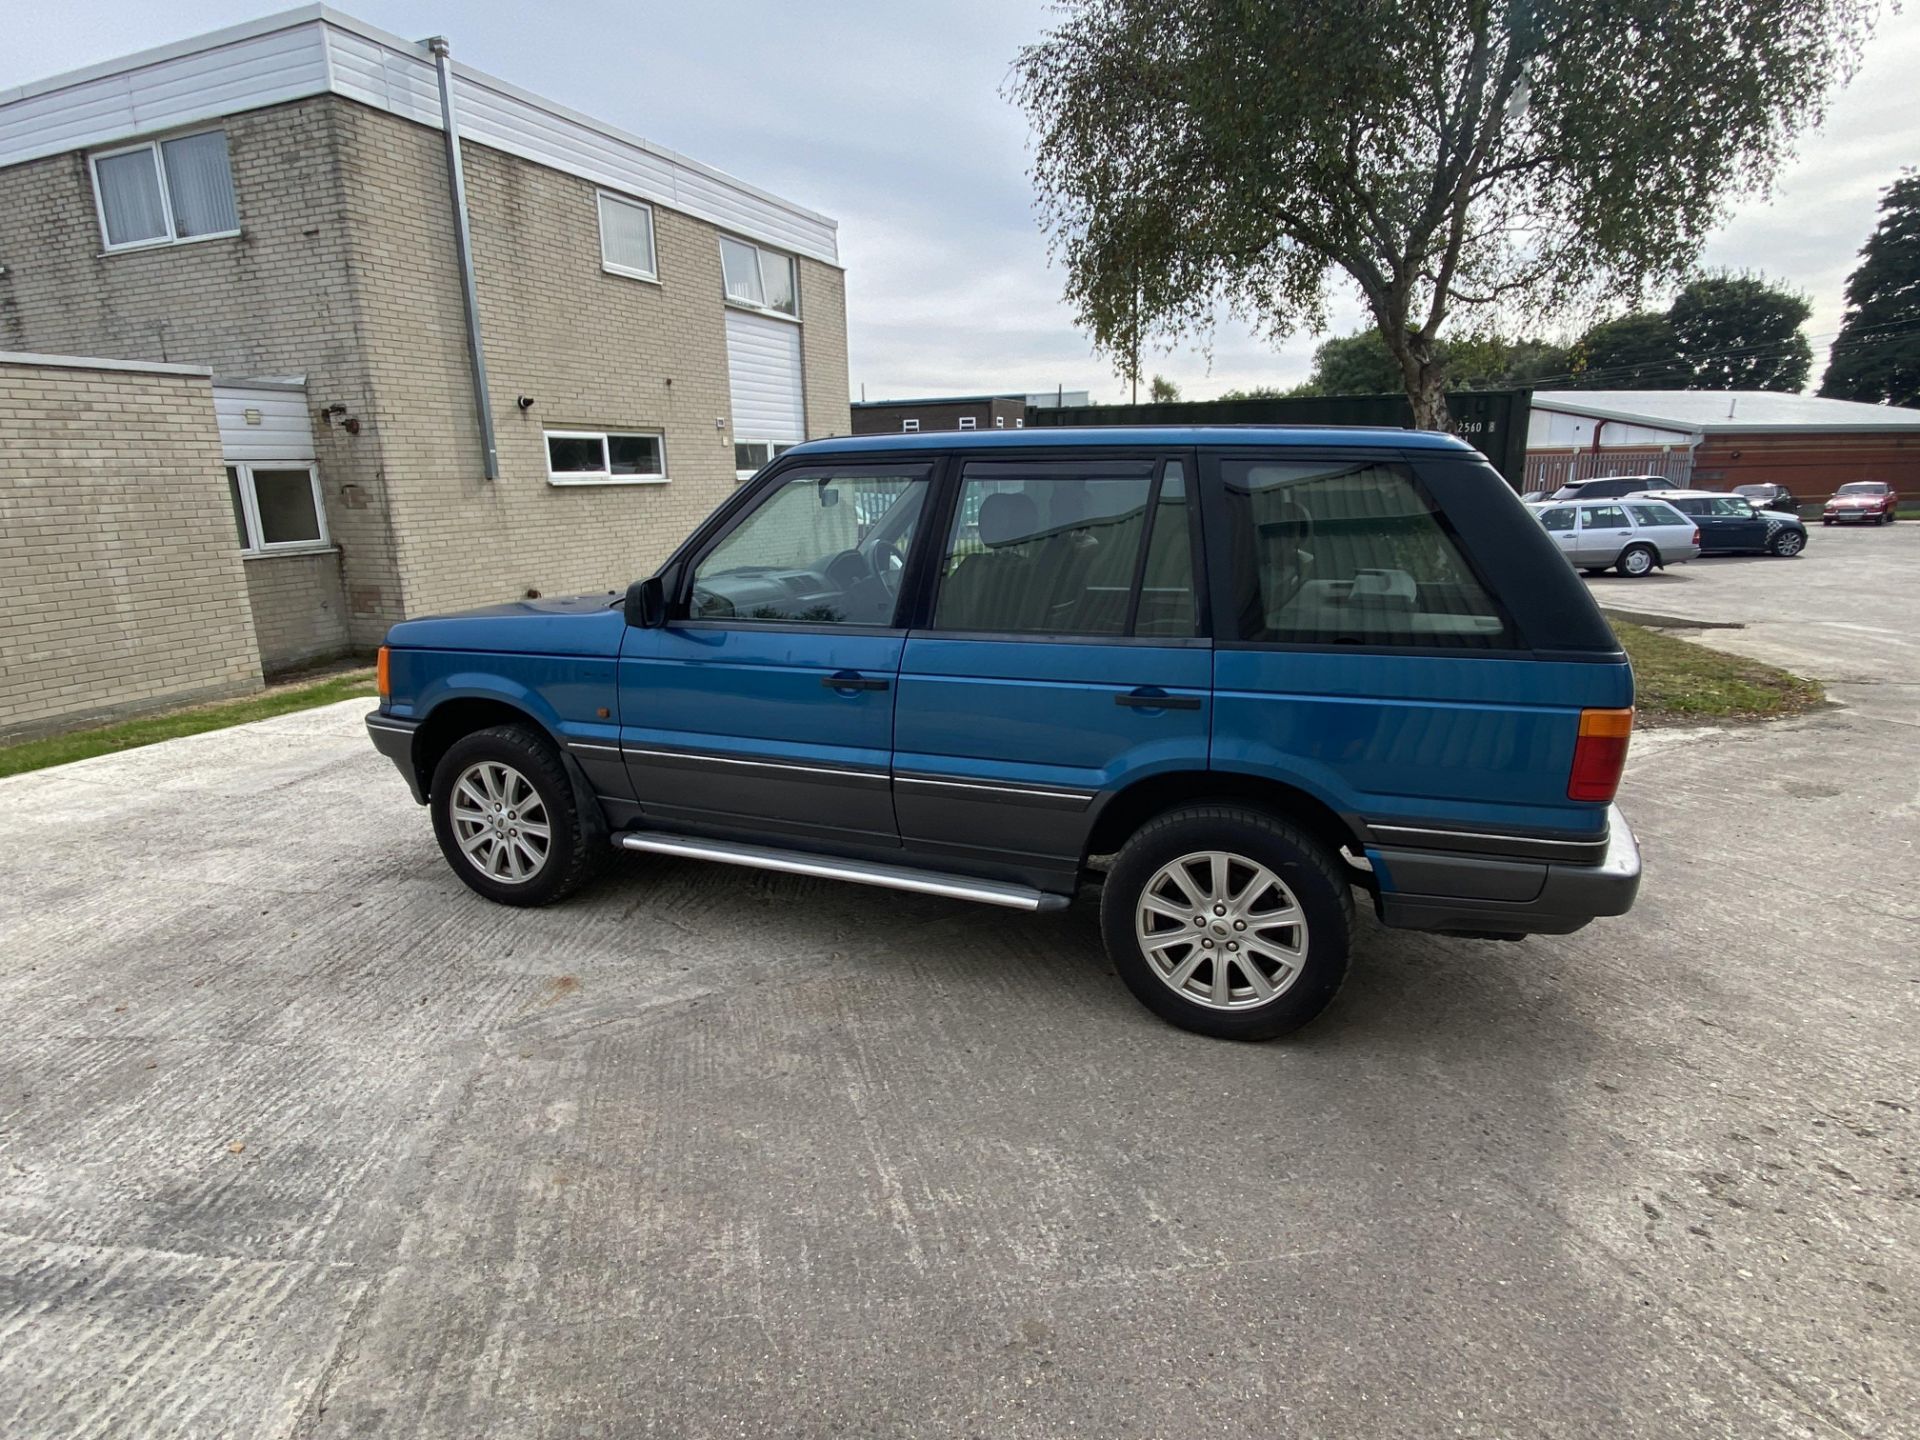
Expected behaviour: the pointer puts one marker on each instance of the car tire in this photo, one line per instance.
(1594, 569)
(1272, 868)
(491, 795)
(1636, 562)
(1825, 521)
(1787, 544)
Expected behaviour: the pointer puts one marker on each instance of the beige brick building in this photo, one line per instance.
(119, 582)
(274, 203)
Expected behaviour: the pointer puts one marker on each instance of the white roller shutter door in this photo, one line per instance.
(763, 372)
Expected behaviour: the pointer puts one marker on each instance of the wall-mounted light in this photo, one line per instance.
(525, 402)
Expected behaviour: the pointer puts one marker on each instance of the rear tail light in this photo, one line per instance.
(382, 682)
(1599, 754)
(1696, 535)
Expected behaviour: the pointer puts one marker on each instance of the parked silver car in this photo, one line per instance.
(1634, 536)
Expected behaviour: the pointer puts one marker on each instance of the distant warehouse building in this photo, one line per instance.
(958, 412)
(441, 375)
(1717, 439)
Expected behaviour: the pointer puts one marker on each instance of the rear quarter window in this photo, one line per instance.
(1646, 513)
(1349, 553)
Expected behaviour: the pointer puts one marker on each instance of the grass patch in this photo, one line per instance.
(1678, 682)
(170, 725)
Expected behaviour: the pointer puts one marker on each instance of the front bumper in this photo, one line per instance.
(1483, 894)
(394, 739)
(1848, 516)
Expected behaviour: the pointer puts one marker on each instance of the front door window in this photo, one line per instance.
(819, 549)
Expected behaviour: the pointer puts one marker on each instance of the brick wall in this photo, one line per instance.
(278, 299)
(345, 272)
(120, 584)
(298, 617)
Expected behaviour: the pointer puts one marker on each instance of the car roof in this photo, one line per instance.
(1600, 499)
(1687, 494)
(1066, 437)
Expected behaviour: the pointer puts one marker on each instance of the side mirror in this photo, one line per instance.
(647, 604)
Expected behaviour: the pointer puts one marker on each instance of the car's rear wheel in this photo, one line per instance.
(1636, 561)
(1787, 544)
(507, 819)
(1228, 922)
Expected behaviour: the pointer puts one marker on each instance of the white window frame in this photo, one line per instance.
(760, 253)
(604, 475)
(909, 426)
(775, 449)
(250, 508)
(152, 147)
(653, 239)
(967, 422)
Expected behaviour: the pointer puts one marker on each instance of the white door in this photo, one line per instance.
(763, 373)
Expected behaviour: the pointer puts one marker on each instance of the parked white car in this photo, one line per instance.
(1634, 536)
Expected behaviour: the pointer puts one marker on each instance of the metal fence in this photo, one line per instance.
(1550, 469)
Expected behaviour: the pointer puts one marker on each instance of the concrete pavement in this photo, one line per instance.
(300, 1138)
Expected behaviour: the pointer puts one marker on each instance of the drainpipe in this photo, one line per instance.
(463, 244)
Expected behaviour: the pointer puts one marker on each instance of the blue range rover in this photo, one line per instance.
(1229, 674)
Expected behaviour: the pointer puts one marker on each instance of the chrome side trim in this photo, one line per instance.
(696, 758)
(827, 867)
(983, 789)
(392, 727)
(593, 747)
(1480, 842)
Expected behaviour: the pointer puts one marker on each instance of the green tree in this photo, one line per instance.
(1737, 332)
(1444, 155)
(1633, 352)
(1724, 331)
(1358, 364)
(1876, 356)
(1162, 390)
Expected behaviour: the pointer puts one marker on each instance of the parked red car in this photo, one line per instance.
(1866, 502)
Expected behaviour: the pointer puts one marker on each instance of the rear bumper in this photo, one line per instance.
(1483, 894)
(394, 739)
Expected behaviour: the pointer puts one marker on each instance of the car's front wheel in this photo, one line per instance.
(507, 820)
(1228, 922)
(1788, 543)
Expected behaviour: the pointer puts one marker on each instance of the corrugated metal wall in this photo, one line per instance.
(763, 371)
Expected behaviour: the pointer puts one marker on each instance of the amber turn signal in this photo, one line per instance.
(380, 680)
(1599, 754)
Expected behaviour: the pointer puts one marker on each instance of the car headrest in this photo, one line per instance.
(1008, 518)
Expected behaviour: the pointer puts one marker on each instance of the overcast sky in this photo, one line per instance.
(888, 117)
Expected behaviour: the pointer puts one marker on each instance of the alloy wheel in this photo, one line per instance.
(500, 822)
(1221, 931)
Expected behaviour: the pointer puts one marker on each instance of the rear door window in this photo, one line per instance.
(1094, 547)
(1603, 517)
(1348, 553)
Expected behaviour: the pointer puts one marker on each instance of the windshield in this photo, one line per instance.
(1863, 487)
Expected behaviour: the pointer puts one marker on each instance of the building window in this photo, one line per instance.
(752, 456)
(761, 279)
(164, 191)
(966, 422)
(909, 425)
(999, 422)
(276, 506)
(601, 457)
(626, 238)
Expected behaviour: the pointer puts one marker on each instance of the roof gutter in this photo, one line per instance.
(463, 243)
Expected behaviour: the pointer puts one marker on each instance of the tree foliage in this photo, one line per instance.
(1443, 155)
(1876, 356)
(1162, 390)
(1724, 331)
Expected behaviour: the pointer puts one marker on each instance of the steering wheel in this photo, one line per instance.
(889, 565)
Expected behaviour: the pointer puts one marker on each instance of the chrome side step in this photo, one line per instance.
(827, 867)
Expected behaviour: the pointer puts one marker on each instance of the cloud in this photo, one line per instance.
(890, 118)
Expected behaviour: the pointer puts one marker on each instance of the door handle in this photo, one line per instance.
(851, 680)
(1151, 699)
